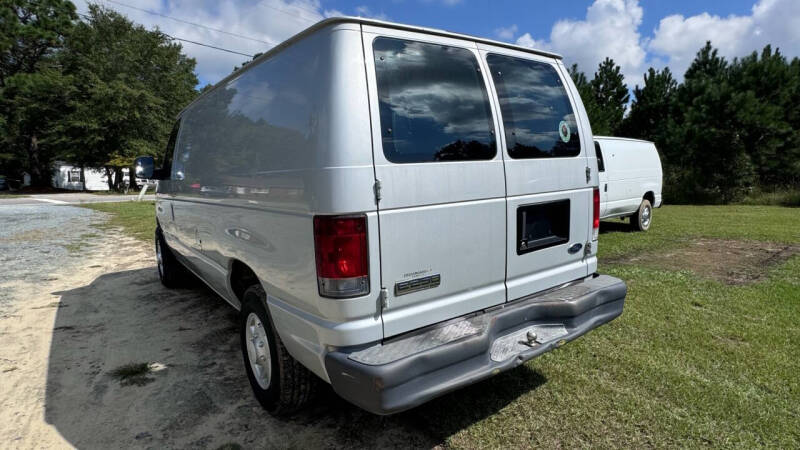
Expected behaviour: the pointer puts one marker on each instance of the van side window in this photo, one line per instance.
(601, 167)
(166, 165)
(537, 116)
(433, 103)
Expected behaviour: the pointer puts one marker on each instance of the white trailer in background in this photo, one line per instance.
(630, 179)
(68, 176)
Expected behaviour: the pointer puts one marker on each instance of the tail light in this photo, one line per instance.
(595, 213)
(342, 255)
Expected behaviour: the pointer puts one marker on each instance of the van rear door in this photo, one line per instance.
(548, 180)
(442, 211)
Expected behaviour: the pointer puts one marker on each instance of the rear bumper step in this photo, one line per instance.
(405, 372)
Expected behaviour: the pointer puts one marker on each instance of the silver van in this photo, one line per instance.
(396, 211)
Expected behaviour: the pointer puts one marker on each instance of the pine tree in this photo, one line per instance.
(610, 96)
(652, 107)
(587, 97)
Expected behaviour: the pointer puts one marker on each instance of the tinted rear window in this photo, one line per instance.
(433, 103)
(601, 167)
(537, 115)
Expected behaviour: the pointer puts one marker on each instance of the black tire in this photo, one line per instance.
(643, 218)
(290, 386)
(170, 271)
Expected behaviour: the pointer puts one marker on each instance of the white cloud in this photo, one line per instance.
(526, 40)
(677, 38)
(270, 21)
(506, 33)
(609, 29)
(364, 11)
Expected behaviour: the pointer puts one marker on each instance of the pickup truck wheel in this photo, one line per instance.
(280, 383)
(170, 271)
(644, 216)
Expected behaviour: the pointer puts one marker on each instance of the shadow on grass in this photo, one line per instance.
(200, 397)
(615, 226)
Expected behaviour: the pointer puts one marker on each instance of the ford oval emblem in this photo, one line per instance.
(575, 248)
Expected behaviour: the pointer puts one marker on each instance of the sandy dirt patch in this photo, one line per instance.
(97, 354)
(732, 262)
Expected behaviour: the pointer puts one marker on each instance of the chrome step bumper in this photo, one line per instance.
(411, 369)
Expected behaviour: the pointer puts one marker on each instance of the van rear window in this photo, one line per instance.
(433, 103)
(537, 115)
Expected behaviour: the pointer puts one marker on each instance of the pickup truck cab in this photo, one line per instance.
(394, 210)
(630, 179)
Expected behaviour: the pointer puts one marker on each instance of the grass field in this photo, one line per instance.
(137, 218)
(694, 361)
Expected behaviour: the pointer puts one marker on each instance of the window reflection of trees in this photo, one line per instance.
(433, 103)
(263, 122)
(533, 102)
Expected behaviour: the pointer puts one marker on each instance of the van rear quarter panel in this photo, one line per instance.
(263, 153)
(633, 168)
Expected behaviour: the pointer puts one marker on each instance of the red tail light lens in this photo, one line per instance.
(595, 212)
(342, 255)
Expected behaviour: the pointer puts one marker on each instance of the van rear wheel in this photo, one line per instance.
(280, 383)
(170, 271)
(644, 216)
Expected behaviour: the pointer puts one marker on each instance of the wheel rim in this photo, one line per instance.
(159, 259)
(258, 350)
(646, 216)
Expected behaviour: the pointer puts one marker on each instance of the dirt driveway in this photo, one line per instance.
(75, 313)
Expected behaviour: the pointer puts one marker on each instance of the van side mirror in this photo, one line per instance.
(146, 168)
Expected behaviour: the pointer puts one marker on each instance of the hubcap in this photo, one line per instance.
(159, 259)
(646, 217)
(258, 350)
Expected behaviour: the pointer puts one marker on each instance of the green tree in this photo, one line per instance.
(130, 83)
(707, 155)
(652, 107)
(587, 96)
(610, 96)
(768, 91)
(31, 85)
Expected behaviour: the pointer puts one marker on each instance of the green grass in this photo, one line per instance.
(691, 362)
(136, 218)
(784, 197)
(675, 225)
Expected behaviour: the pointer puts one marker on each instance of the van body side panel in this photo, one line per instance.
(259, 156)
(633, 168)
(442, 219)
(534, 182)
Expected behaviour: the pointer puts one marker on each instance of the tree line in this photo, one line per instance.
(99, 90)
(728, 129)
(95, 91)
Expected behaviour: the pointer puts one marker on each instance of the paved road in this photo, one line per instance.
(68, 198)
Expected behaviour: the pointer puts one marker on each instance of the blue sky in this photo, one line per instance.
(637, 33)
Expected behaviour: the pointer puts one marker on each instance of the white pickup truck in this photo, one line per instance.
(630, 179)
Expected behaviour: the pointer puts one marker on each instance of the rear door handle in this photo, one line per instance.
(605, 187)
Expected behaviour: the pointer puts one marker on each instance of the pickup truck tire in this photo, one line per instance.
(280, 383)
(644, 216)
(170, 271)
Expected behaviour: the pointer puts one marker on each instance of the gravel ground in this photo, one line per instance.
(84, 303)
(36, 240)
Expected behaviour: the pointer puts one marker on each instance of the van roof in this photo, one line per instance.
(614, 138)
(365, 21)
